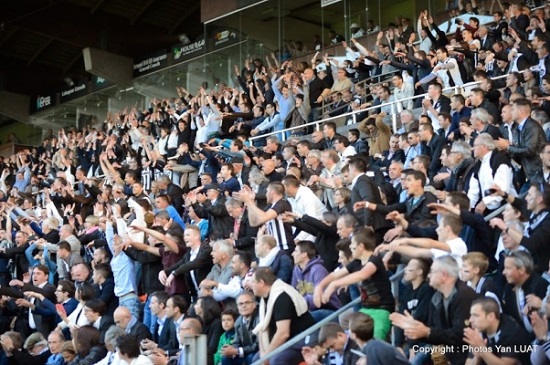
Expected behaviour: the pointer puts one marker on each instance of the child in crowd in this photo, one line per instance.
(474, 267)
(228, 324)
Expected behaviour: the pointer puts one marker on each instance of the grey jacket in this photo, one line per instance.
(244, 338)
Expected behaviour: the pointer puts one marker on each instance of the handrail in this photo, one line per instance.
(394, 278)
(307, 332)
(394, 115)
(362, 83)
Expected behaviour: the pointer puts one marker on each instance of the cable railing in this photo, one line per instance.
(393, 105)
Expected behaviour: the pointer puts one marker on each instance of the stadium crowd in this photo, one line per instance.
(201, 214)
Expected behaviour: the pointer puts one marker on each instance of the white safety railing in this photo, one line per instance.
(393, 105)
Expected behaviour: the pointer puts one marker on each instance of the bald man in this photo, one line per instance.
(188, 327)
(130, 324)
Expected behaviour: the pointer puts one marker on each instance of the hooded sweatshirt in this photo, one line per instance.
(306, 280)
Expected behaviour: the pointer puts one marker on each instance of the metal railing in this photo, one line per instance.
(362, 83)
(394, 279)
(308, 332)
(393, 105)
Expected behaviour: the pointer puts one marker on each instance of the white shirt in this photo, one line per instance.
(192, 257)
(503, 178)
(306, 202)
(348, 152)
(406, 91)
(31, 318)
(458, 249)
(454, 71)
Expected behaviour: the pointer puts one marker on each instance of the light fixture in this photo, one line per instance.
(69, 81)
(184, 39)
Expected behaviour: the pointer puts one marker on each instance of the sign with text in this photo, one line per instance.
(224, 37)
(188, 51)
(42, 102)
(75, 91)
(150, 63)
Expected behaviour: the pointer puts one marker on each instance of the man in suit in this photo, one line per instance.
(29, 321)
(67, 259)
(94, 311)
(164, 333)
(432, 144)
(211, 206)
(486, 42)
(197, 259)
(521, 278)
(364, 189)
(245, 345)
(240, 170)
(531, 141)
(415, 208)
(243, 234)
(394, 153)
(480, 124)
(130, 324)
(173, 191)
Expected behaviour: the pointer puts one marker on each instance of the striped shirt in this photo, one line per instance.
(276, 228)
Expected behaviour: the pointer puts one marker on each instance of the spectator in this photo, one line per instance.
(362, 330)
(307, 274)
(87, 344)
(245, 343)
(337, 341)
(446, 323)
(130, 324)
(290, 318)
(281, 231)
(524, 283)
(371, 272)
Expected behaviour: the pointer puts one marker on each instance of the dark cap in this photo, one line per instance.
(237, 159)
(211, 186)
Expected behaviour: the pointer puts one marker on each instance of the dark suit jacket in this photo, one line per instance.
(487, 43)
(366, 190)
(443, 104)
(416, 212)
(44, 324)
(201, 266)
(398, 155)
(107, 295)
(535, 284)
(433, 150)
(140, 331)
(489, 128)
(167, 340)
(247, 235)
(104, 324)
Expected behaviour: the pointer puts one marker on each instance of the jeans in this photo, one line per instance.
(293, 355)
(247, 360)
(149, 319)
(132, 303)
(320, 314)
